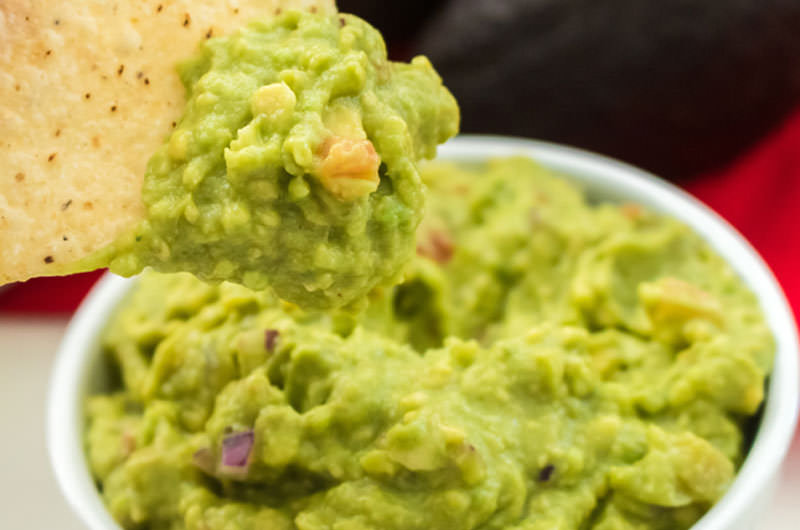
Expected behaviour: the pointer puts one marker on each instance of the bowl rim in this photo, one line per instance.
(603, 175)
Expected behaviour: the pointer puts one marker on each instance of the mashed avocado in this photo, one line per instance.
(547, 364)
(294, 165)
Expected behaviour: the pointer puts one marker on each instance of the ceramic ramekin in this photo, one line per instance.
(77, 368)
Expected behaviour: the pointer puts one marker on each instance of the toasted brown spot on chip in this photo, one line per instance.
(58, 133)
(48, 52)
(187, 19)
(146, 80)
(51, 157)
(120, 69)
(19, 177)
(159, 8)
(48, 259)
(209, 33)
(113, 108)
(96, 141)
(66, 205)
(88, 205)
(87, 96)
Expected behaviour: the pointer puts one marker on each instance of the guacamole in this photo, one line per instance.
(294, 164)
(547, 363)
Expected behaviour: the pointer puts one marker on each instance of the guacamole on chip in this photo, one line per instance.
(547, 363)
(294, 164)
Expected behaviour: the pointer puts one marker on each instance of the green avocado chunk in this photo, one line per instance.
(294, 164)
(547, 363)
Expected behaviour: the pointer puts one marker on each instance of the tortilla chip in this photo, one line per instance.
(88, 92)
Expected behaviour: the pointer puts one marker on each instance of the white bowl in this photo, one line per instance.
(76, 368)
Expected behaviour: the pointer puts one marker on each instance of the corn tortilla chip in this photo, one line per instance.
(88, 91)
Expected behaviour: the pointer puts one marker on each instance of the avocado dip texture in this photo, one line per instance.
(294, 164)
(547, 363)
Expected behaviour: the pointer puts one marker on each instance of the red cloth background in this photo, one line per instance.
(759, 194)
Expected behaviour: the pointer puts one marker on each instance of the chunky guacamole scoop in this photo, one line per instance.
(294, 165)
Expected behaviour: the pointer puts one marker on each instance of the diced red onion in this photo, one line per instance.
(236, 449)
(270, 339)
(546, 472)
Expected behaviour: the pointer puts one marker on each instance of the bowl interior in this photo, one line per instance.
(605, 179)
(79, 371)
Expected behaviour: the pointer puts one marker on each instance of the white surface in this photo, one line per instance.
(29, 496)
